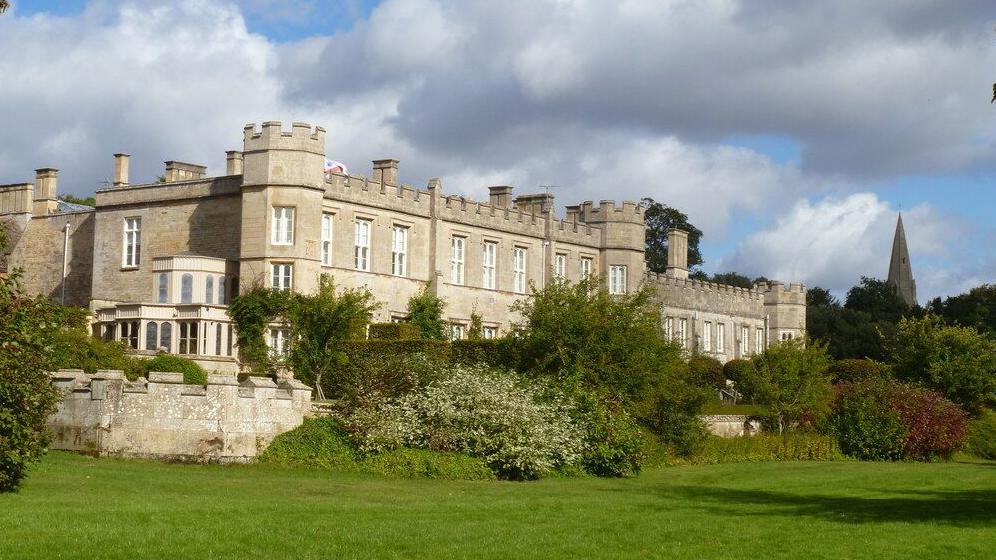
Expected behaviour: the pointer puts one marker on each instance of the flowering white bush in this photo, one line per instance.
(519, 428)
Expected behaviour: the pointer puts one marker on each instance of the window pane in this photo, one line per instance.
(163, 287)
(186, 288)
(209, 290)
(151, 336)
(166, 336)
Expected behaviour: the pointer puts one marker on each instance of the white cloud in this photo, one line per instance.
(833, 242)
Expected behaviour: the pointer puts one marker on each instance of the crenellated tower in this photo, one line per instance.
(283, 183)
(624, 237)
(785, 309)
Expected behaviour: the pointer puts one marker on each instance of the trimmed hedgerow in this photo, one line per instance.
(856, 371)
(866, 428)
(769, 447)
(193, 374)
(394, 331)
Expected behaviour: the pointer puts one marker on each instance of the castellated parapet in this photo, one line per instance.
(103, 414)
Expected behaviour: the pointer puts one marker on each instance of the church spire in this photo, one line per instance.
(900, 271)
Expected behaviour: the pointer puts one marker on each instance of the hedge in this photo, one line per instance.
(768, 447)
(394, 331)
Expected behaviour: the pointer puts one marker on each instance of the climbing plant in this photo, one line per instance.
(251, 312)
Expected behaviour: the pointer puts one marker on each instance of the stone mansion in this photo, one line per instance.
(158, 263)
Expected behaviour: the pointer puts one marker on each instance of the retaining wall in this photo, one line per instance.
(103, 414)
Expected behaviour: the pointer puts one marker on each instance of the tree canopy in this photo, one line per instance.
(659, 219)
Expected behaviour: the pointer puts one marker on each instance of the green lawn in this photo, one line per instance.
(78, 507)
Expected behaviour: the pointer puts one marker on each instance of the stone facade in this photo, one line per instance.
(167, 257)
(161, 418)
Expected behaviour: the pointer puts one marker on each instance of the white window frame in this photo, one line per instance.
(277, 341)
(131, 251)
(489, 266)
(458, 257)
(457, 331)
(283, 225)
(758, 341)
(786, 335)
(669, 328)
(282, 276)
(326, 239)
(744, 340)
(560, 266)
(586, 265)
(707, 336)
(489, 332)
(361, 244)
(617, 279)
(721, 338)
(189, 338)
(683, 332)
(399, 251)
(519, 270)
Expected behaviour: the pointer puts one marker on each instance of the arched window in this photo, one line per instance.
(187, 288)
(221, 290)
(166, 336)
(209, 290)
(151, 335)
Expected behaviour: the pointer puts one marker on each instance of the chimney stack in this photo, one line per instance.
(121, 170)
(500, 196)
(46, 198)
(677, 254)
(385, 171)
(233, 162)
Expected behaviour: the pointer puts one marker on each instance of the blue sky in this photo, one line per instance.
(792, 134)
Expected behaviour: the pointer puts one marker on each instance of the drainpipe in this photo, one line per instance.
(65, 260)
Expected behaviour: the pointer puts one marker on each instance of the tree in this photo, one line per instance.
(320, 323)
(87, 201)
(878, 299)
(791, 380)
(957, 361)
(425, 311)
(732, 279)
(581, 333)
(976, 308)
(659, 219)
(27, 396)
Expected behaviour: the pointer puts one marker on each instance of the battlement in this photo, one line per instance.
(607, 211)
(271, 136)
(163, 418)
(703, 286)
(362, 190)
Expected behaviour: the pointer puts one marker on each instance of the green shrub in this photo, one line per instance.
(27, 330)
(672, 414)
(318, 442)
(982, 435)
(738, 369)
(614, 443)
(383, 368)
(193, 374)
(394, 331)
(856, 371)
(889, 420)
(769, 447)
(707, 371)
(867, 428)
(500, 353)
(75, 348)
(423, 463)
(425, 312)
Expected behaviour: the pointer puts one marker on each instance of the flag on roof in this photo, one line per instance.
(332, 166)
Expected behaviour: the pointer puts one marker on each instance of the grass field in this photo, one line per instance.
(78, 507)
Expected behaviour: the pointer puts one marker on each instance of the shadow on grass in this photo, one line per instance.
(960, 508)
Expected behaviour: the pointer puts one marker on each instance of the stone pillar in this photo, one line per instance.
(385, 171)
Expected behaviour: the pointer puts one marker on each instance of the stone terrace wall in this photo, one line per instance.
(105, 415)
